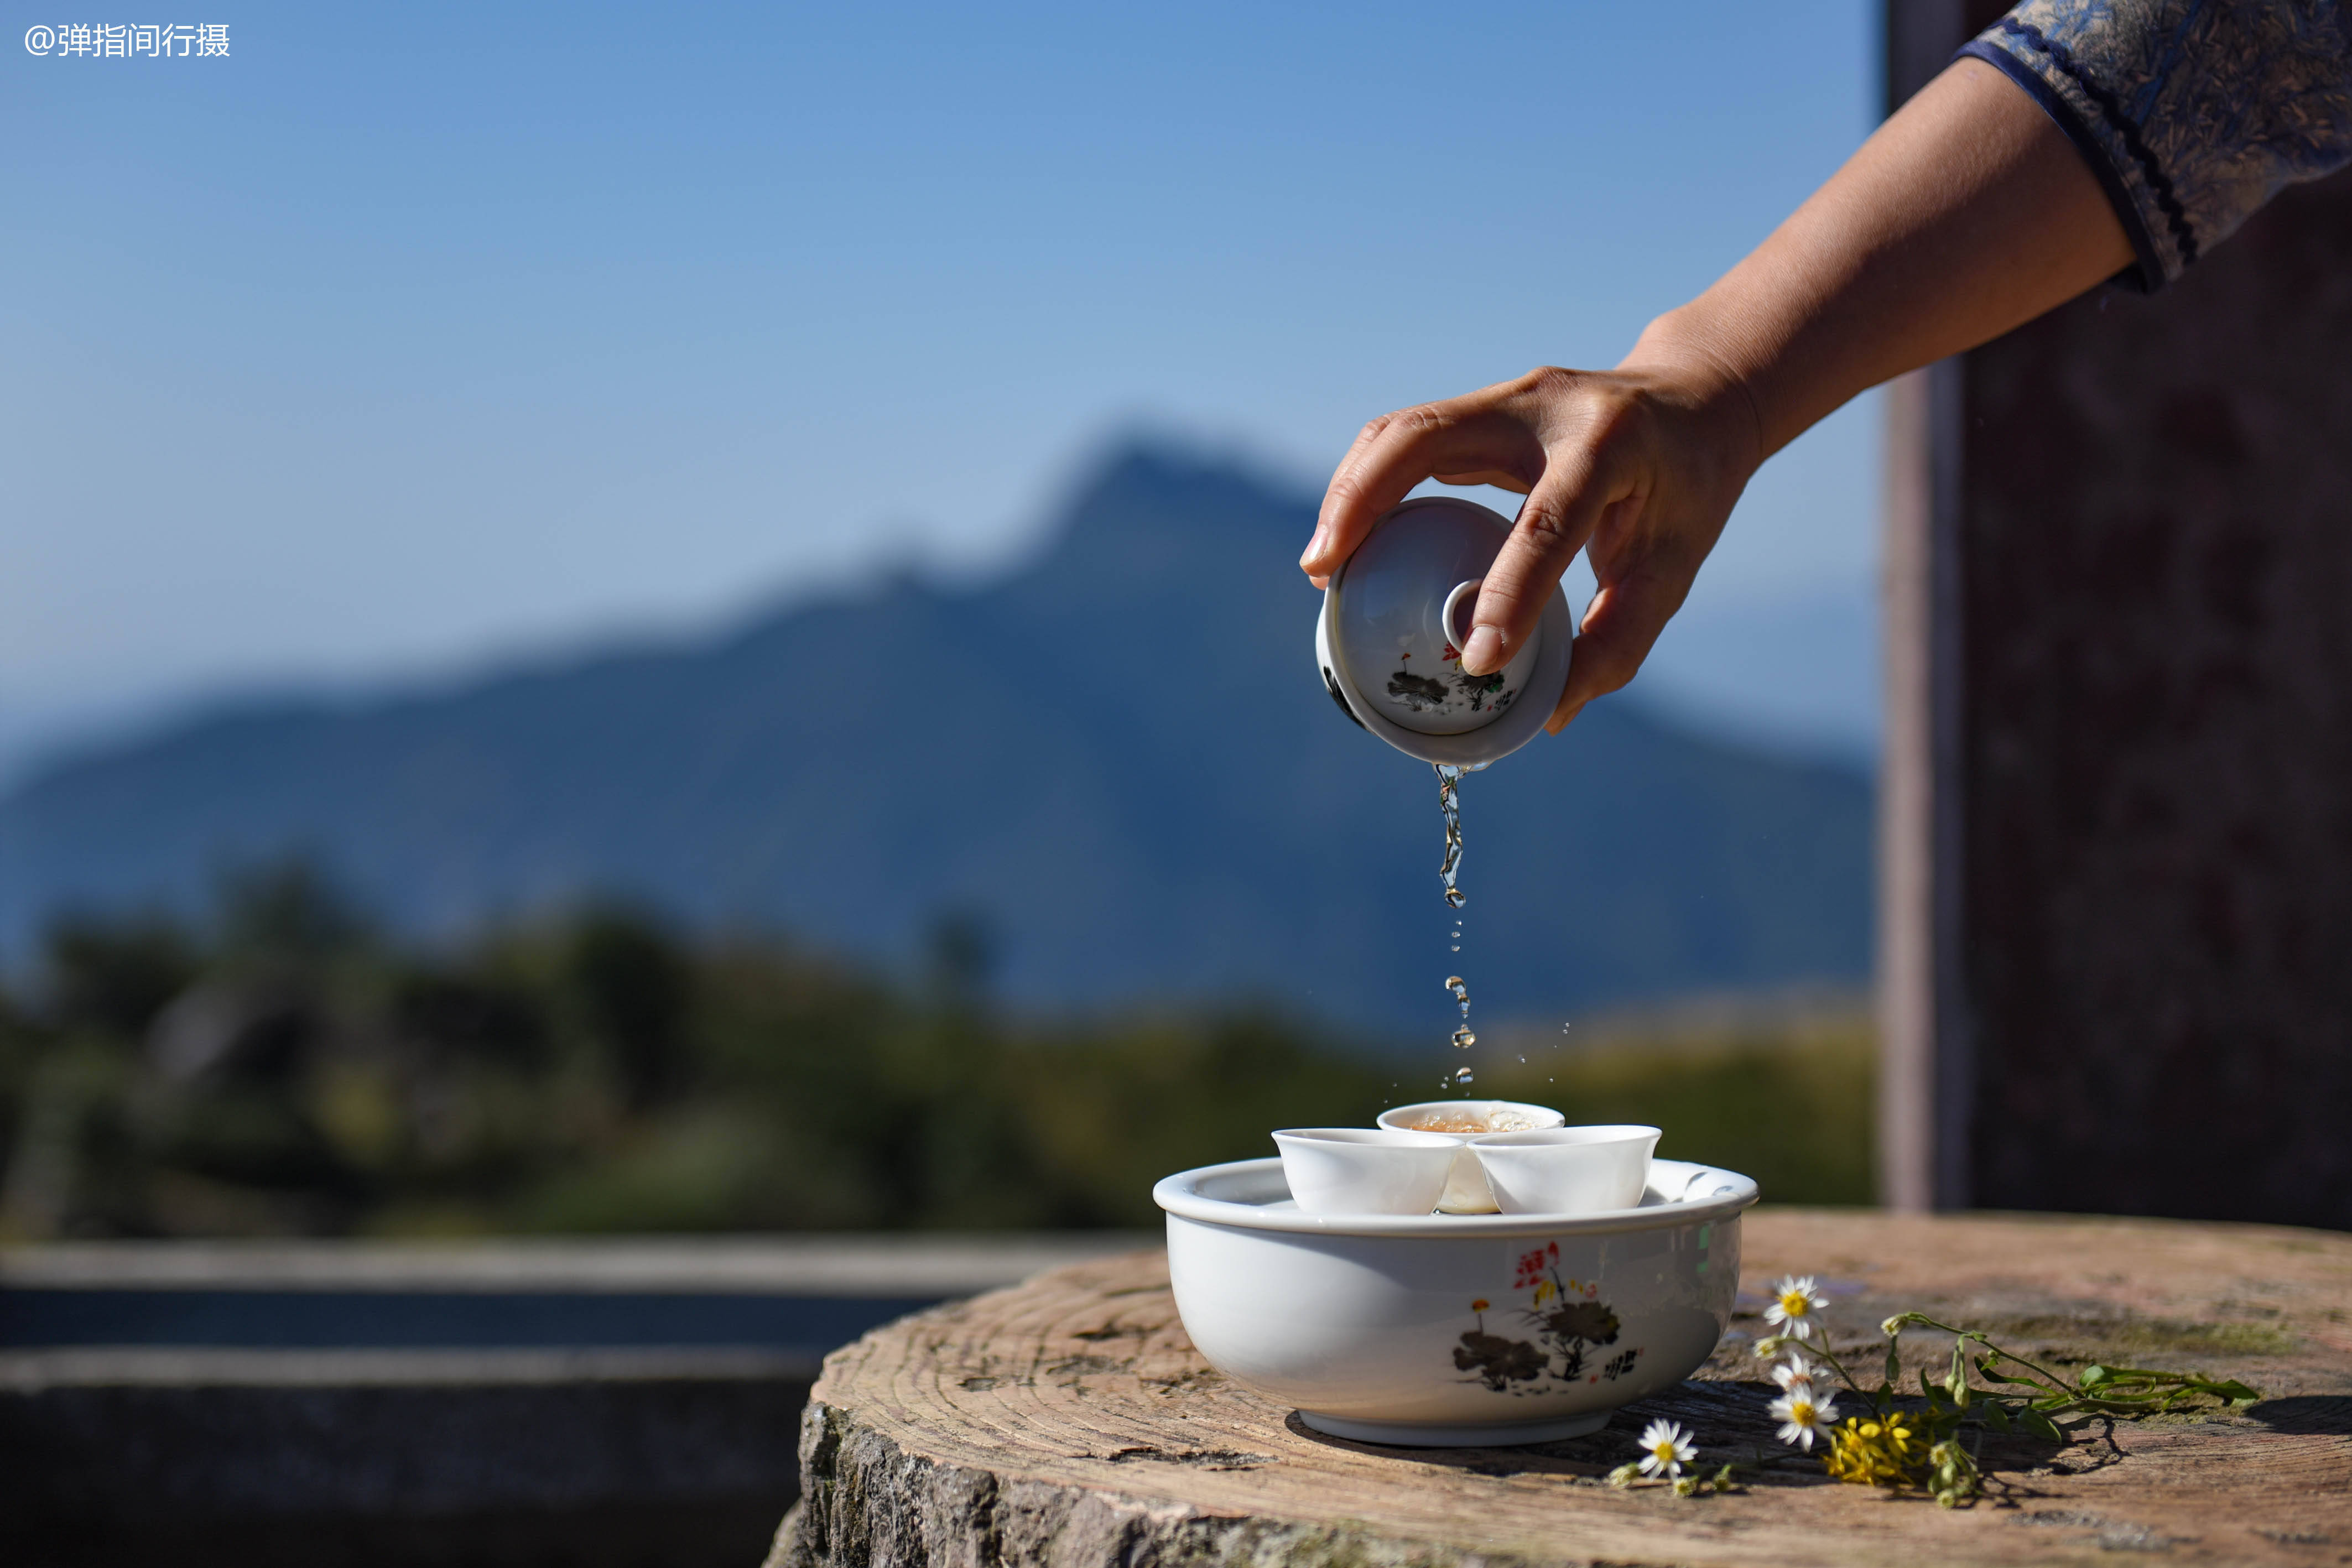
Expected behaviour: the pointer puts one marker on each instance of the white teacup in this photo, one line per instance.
(1465, 1187)
(1365, 1170)
(1567, 1170)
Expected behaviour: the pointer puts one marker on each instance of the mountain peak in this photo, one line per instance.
(1119, 754)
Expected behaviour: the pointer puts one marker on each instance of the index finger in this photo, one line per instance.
(1396, 452)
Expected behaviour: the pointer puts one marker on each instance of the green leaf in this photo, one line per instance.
(1894, 1362)
(2041, 1425)
(1996, 1416)
(2094, 1376)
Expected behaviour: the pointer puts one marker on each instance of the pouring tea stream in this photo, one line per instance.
(1387, 643)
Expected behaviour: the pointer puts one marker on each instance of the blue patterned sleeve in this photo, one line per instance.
(2192, 113)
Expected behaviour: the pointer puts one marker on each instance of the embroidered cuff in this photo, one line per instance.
(2094, 122)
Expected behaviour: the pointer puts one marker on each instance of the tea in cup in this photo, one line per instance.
(1462, 1120)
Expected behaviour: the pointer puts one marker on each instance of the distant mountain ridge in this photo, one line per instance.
(1119, 755)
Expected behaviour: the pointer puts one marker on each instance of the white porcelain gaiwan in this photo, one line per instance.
(1453, 1330)
(1394, 619)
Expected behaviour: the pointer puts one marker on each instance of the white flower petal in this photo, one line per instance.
(1799, 1436)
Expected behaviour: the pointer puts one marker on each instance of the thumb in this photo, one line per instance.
(1554, 522)
(1621, 626)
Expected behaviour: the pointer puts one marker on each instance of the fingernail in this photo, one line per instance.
(1314, 546)
(1482, 655)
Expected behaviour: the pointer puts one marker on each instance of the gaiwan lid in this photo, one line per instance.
(1394, 618)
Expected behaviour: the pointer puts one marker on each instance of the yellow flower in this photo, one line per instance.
(1874, 1453)
(1545, 1292)
(1479, 1305)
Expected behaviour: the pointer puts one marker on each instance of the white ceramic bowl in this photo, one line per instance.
(1371, 1325)
(1466, 1191)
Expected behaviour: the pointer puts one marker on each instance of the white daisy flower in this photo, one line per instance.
(1795, 1302)
(1666, 1449)
(1792, 1371)
(1802, 1414)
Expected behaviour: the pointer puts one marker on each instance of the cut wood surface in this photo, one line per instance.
(1069, 1422)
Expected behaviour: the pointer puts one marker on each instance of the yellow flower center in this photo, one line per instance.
(1794, 1304)
(1663, 1451)
(1801, 1411)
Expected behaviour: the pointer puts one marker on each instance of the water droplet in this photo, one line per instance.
(1449, 802)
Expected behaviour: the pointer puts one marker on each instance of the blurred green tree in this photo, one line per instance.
(280, 1068)
(632, 985)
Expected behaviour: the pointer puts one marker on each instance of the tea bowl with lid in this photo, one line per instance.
(1394, 618)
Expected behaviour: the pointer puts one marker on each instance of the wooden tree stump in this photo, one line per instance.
(1069, 1422)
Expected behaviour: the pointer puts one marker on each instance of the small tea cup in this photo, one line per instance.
(1567, 1170)
(1365, 1170)
(1465, 1188)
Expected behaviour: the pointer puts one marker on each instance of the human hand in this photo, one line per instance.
(1637, 467)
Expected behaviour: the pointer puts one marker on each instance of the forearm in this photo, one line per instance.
(1969, 213)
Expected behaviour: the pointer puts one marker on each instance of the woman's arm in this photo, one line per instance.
(1967, 213)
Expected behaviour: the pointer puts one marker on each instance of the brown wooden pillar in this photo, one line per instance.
(2116, 880)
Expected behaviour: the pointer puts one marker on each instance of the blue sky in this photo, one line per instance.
(399, 341)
